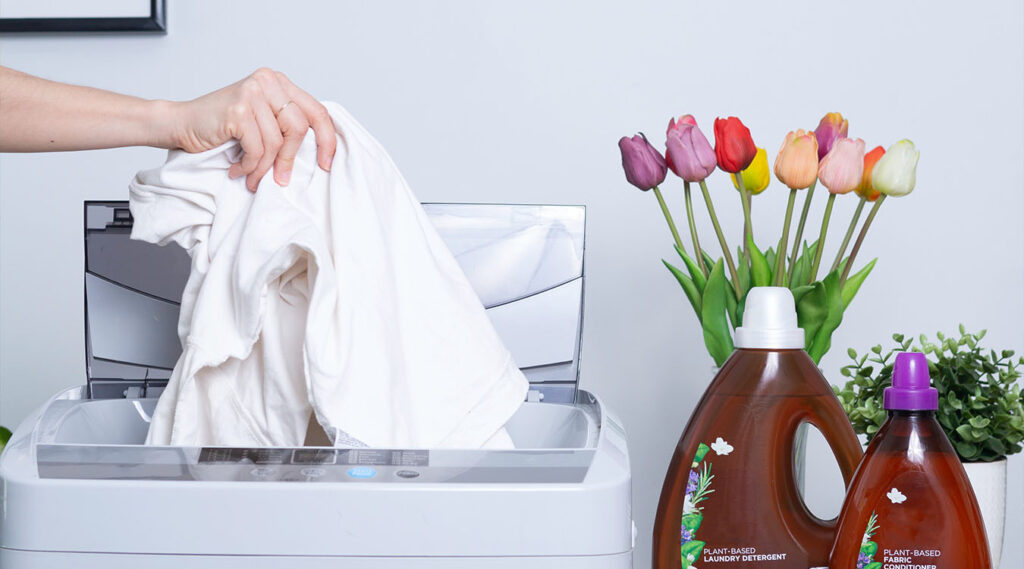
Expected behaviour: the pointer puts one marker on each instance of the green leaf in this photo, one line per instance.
(699, 280)
(874, 565)
(702, 450)
(800, 291)
(822, 339)
(742, 271)
(853, 282)
(689, 288)
(692, 521)
(5, 435)
(760, 271)
(811, 311)
(714, 318)
(869, 548)
(690, 552)
(979, 422)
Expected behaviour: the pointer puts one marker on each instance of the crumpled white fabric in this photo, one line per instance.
(334, 294)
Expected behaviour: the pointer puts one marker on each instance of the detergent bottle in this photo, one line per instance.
(911, 504)
(731, 498)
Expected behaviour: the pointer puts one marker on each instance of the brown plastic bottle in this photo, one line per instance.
(730, 498)
(910, 504)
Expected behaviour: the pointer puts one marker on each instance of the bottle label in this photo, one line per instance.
(698, 490)
(891, 554)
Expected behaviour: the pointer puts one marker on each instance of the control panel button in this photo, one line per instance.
(362, 472)
(407, 474)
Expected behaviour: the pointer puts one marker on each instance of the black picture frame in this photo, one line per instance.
(155, 23)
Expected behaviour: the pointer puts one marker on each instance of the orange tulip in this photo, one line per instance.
(797, 162)
(865, 189)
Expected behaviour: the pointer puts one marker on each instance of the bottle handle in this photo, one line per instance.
(828, 417)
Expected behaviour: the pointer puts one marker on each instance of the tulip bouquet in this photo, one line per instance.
(717, 288)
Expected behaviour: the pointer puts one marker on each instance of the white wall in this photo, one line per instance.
(524, 101)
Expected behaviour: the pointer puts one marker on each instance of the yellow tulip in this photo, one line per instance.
(756, 176)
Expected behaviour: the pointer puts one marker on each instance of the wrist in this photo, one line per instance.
(163, 131)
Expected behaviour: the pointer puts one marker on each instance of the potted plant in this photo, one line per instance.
(980, 408)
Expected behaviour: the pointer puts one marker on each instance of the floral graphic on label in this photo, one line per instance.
(721, 447)
(698, 488)
(896, 497)
(868, 548)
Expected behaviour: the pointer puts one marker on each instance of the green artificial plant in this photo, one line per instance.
(980, 406)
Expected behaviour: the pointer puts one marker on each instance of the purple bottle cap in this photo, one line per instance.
(911, 387)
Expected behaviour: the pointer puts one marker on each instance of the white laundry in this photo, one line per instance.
(334, 294)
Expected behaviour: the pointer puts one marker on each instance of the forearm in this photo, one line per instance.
(37, 115)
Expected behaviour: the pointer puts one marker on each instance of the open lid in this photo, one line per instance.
(525, 262)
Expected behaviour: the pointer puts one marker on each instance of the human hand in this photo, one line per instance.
(267, 114)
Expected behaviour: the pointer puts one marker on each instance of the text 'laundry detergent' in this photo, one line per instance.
(731, 498)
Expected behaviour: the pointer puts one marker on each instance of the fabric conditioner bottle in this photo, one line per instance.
(910, 505)
(730, 498)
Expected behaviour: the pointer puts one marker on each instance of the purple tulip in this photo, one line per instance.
(831, 128)
(688, 153)
(643, 164)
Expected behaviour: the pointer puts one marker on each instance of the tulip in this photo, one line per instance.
(831, 128)
(842, 168)
(867, 194)
(644, 166)
(797, 162)
(840, 172)
(734, 147)
(756, 176)
(796, 165)
(751, 181)
(685, 119)
(865, 189)
(688, 152)
(894, 173)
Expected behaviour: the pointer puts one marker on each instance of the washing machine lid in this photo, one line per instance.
(525, 262)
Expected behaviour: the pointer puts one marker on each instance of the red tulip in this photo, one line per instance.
(734, 147)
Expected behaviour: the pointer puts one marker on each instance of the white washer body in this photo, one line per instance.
(81, 491)
(78, 488)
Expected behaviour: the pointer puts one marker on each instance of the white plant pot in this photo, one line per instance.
(989, 482)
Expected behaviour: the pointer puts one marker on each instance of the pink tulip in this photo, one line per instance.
(674, 124)
(643, 164)
(843, 167)
(688, 152)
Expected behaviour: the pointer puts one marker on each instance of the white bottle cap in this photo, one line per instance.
(769, 320)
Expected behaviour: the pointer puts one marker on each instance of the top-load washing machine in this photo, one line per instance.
(81, 490)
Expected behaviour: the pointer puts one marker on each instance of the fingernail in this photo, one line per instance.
(330, 160)
(283, 177)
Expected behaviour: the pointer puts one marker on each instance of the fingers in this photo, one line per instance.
(293, 126)
(317, 117)
(272, 141)
(251, 141)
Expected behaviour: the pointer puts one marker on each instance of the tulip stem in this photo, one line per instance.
(668, 218)
(721, 241)
(693, 229)
(780, 262)
(849, 234)
(800, 226)
(821, 237)
(747, 226)
(860, 239)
